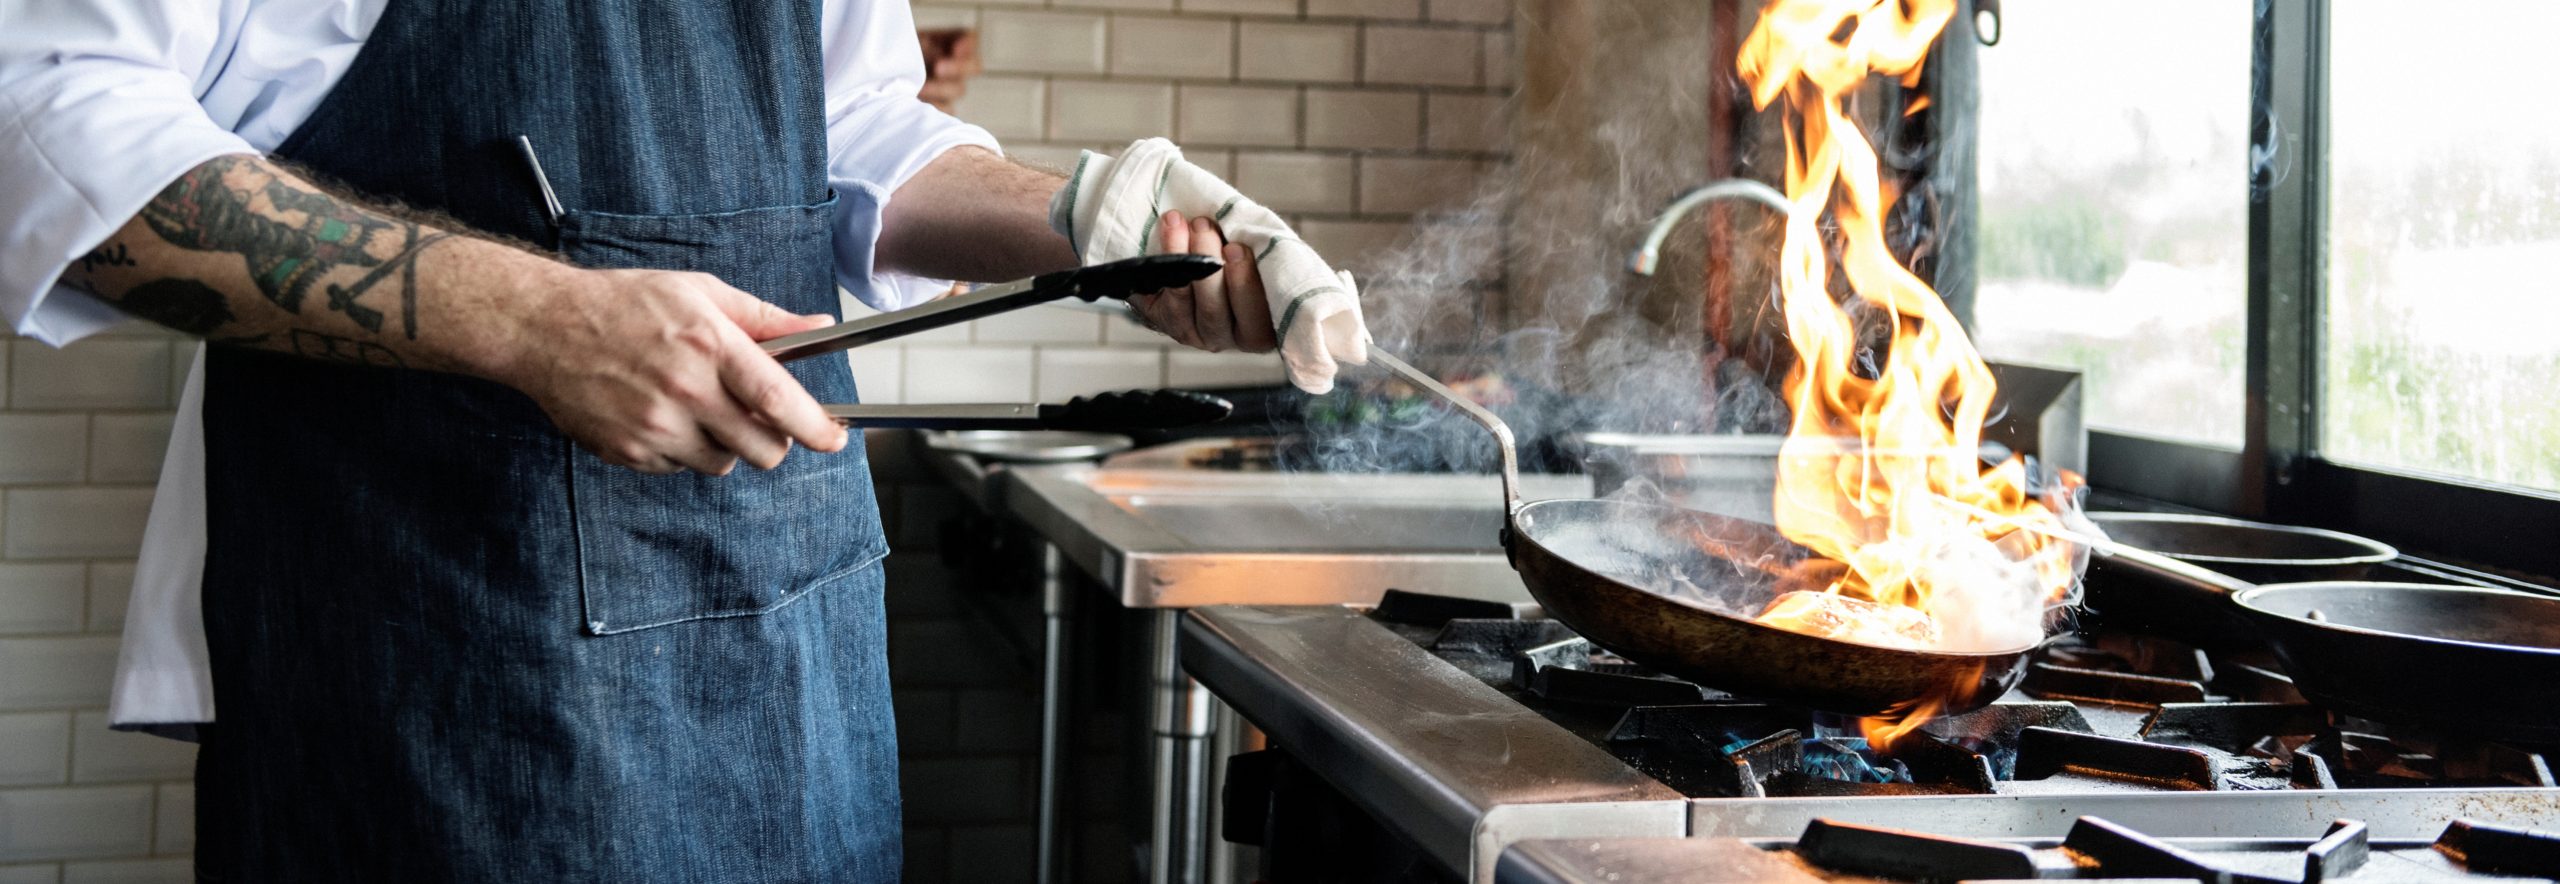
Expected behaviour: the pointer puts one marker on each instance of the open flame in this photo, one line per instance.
(1881, 470)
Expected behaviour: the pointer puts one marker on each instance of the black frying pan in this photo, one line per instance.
(2465, 660)
(2462, 659)
(1610, 570)
(2132, 592)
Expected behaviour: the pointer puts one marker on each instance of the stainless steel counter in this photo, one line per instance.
(1457, 767)
(1175, 538)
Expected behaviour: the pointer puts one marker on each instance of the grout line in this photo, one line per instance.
(70, 737)
(88, 596)
(1235, 48)
(1360, 55)
(151, 831)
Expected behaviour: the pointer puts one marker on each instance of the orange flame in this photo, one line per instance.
(1881, 470)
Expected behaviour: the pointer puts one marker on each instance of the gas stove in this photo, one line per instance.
(1482, 742)
(2095, 712)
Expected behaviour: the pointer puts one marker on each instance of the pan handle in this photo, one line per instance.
(1501, 431)
(2184, 572)
(2189, 573)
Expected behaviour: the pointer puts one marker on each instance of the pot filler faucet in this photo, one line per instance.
(1649, 256)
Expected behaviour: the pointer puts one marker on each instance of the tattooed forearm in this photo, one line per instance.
(183, 304)
(290, 238)
(109, 255)
(343, 298)
(236, 250)
(248, 252)
(336, 349)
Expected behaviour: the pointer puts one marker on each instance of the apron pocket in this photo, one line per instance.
(656, 550)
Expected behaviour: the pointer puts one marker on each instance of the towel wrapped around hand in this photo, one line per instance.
(1110, 210)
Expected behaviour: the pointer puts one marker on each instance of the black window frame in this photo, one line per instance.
(2279, 474)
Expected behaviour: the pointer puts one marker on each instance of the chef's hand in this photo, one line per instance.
(659, 371)
(1225, 311)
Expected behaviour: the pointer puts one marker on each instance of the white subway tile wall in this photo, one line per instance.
(102, 755)
(1008, 106)
(1144, 46)
(35, 748)
(41, 597)
(1425, 56)
(77, 823)
(1352, 117)
(1296, 182)
(1360, 118)
(1403, 9)
(1251, 115)
(110, 587)
(1300, 53)
(1066, 372)
(42, 448)
(171, 870)
(1043, 42)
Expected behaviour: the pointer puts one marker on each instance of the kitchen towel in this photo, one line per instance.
(1111, 207)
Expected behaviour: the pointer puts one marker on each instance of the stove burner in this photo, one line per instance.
(1751, 750)
(2096, 847)
(2117, 851)
(2232, 727)
(2367, 756)
(1486, 649)
(1896, 853)
(1497, 639)
(2501, 850)
(1426, 609)
(1575, 671)
(2044, 752)
(2054, 681)
(1997, 725)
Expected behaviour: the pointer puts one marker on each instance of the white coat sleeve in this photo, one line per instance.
(878, 136)
(98, 112)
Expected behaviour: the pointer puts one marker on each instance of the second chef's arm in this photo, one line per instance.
(973, 215)
(657, 370)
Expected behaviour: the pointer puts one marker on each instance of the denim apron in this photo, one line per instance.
(447, 644)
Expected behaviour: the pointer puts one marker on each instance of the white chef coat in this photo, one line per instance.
(104, 102)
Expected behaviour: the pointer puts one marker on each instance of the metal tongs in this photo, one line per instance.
(1135, 409)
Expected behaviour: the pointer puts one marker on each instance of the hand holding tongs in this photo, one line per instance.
(1118, 279)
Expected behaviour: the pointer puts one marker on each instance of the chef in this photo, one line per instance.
(482, 594)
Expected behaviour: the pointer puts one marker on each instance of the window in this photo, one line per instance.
(2114, 208)
(2443, 314)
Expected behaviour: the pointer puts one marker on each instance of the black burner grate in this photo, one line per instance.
(2096, 848)
(2501, 850)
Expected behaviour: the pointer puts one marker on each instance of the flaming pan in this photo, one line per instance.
(1637, 579)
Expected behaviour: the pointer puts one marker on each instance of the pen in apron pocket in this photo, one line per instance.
(550, 200)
